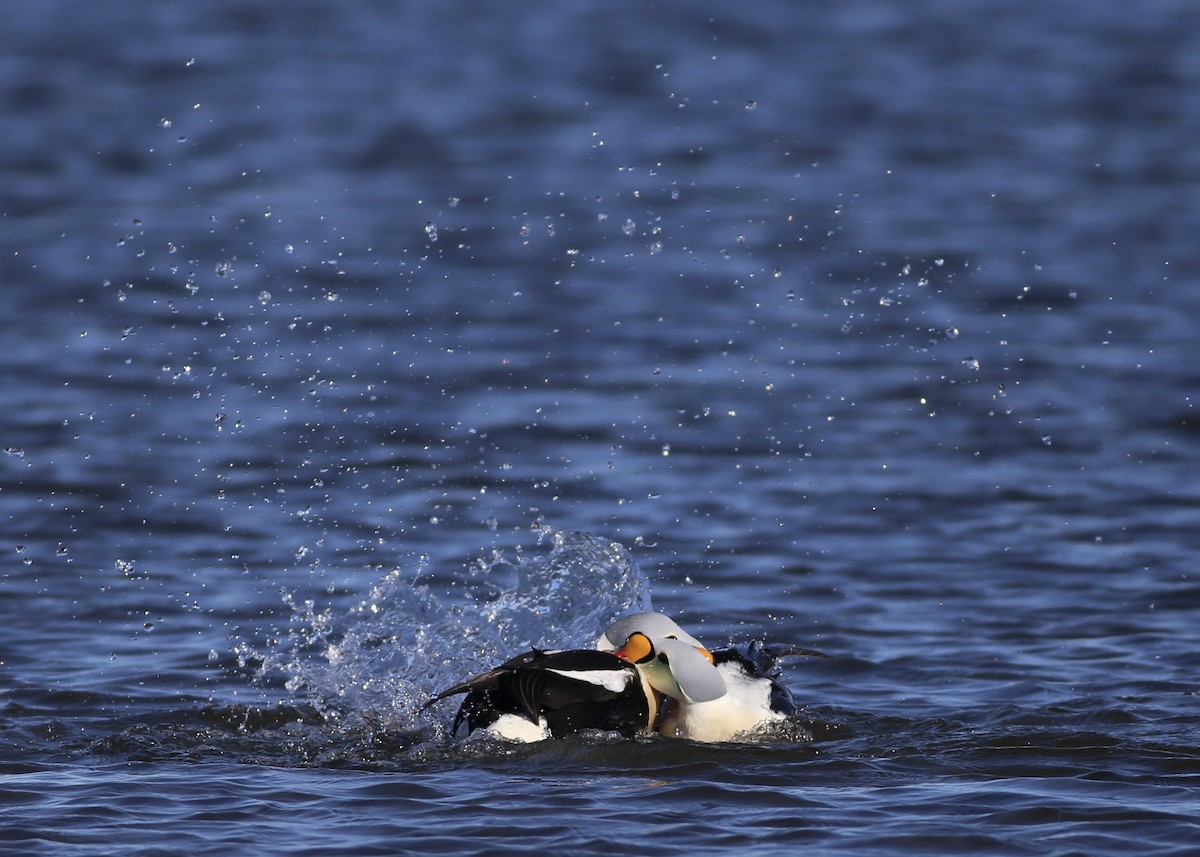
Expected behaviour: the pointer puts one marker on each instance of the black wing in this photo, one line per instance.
(532, 685)
(490, 680)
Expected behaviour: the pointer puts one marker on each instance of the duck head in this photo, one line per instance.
(674, 667)
(655, 626)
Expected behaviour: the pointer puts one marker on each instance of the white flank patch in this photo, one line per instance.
(514, 727)
(614, 680)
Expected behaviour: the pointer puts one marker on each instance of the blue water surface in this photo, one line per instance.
(349, 348)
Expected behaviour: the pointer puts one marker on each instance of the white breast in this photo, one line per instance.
(745, 708)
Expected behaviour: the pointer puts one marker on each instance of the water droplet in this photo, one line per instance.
(224, 267)
(264, 297)
(972, 363)
(164, 122)
(1046, 439)
(431, 231)
(629, 226)
(951, 332)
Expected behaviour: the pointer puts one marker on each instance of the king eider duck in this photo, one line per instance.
(544, 694)
(754, 696)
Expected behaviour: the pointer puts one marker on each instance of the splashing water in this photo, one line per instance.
(375, 666)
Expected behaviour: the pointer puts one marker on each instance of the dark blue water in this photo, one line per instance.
(869, 327)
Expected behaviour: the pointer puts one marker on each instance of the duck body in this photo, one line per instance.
(543, 694)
